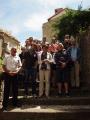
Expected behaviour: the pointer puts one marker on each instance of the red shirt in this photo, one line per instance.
(52, 48)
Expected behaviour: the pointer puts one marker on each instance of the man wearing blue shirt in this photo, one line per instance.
(74, 57)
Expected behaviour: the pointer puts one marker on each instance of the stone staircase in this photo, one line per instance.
(52, 108)
(48, 112)
(74, 107)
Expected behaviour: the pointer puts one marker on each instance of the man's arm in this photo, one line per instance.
(4, 66)
(5, 69)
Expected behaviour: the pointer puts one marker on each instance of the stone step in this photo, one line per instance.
(49, 112)
(53, 92)
(54, 100)
(58, 101)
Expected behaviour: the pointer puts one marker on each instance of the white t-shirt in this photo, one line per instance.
(12, 63)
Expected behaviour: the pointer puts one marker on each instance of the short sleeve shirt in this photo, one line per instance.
(12, 63)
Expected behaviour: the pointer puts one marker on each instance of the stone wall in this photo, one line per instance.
(48, 30)
(85, 59)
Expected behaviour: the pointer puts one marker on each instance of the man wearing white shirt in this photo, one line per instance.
(11, 67)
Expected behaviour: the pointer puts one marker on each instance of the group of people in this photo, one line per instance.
(52, 63)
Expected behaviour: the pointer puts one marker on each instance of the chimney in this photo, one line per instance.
(58, 10)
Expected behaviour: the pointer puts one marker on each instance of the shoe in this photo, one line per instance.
(4, 109)
(34, 96)
(67, 95)
(47, 97)
(25, 96)
(59, 94)
(41, 96)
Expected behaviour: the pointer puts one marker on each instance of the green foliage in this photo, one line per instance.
(1, 63)
(73, 22)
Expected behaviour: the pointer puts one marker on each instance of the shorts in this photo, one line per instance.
(61, 75)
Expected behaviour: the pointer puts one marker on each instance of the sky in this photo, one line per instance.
(24, 18)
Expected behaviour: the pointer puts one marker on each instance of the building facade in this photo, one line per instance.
(47, 28)
(7, 41)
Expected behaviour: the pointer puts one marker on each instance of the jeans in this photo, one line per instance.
(30, 73)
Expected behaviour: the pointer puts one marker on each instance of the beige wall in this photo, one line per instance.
(10, 41)
(58, 15)
(48, 29)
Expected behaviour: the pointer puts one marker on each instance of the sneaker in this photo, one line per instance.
(41, 96)
(25, 96)
(60, 94)
(47, 97)
(4, 109)
(34, 96)
(67, 94)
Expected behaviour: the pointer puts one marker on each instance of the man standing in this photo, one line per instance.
(11, 67)
(30, 60)
(67, 42)
(74, 57)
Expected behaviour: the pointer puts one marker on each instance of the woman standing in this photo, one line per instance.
(44, 60)
(61, 60)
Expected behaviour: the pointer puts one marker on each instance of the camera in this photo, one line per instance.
(43, 66)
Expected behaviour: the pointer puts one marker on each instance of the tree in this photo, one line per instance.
(73, 22)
